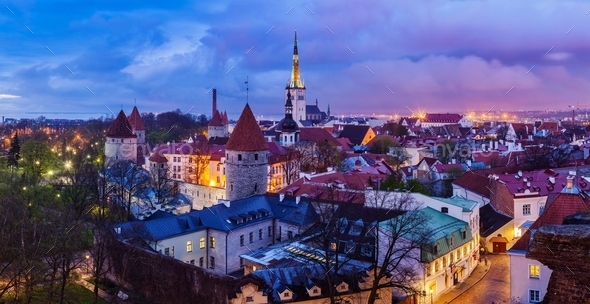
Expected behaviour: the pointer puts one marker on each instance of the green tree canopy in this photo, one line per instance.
(37, 158)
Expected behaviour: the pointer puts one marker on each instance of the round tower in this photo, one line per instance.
(246, 159)
(121, 142)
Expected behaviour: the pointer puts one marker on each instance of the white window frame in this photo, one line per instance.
(538, 294)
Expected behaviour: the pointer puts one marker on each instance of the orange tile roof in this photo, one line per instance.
(247, 135)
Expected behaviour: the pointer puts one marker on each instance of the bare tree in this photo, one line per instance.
(537, 157)
(128, 180)
(199, 164)
(399, 242)
(400, 156)
(291, 165)
(307, 154)
(160, 183)
(102, 216)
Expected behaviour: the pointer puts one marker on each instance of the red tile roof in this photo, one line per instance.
(443, 168)
(157, 157)
(216, 120)
(135, 120)
(549, 125)
(225, 119)
(121, 128)
(563, 205)
(536, 182)
(247, 135)
(336, 186)
(317, 135)
(474, 182)
(446, 118)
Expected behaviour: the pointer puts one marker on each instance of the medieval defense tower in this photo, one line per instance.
(246, 163)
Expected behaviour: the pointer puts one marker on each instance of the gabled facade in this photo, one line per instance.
(529, 278)
(358, 135)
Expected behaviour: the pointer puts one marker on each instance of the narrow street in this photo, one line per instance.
(494, 287)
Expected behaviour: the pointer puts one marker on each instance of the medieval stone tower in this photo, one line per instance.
(218, 125)
(121, 143)
(246, 162)
(137, 125)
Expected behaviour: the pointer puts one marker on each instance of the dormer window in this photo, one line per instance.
(343, 224)
(435, 249)
(451, 242)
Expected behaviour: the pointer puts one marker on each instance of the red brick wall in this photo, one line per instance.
(501, 198)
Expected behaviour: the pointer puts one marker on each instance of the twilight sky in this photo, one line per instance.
(84, 56)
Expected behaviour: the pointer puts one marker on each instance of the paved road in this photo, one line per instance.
(495, 286)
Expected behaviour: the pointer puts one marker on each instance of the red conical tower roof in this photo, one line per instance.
(216, 120)
(135, 120)
(247, 135)
(225, 120)
(121, 128)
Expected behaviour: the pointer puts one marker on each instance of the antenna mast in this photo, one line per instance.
(247, 89)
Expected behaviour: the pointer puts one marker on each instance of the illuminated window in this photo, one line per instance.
(212, 242)
(189, 246)
(534, 271)
(202, 243)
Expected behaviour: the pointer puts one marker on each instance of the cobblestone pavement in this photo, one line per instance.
(494, 287)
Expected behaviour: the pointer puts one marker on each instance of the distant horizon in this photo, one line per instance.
(278, 116)
(362, 57)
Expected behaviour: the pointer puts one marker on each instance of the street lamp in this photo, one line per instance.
(87, 263)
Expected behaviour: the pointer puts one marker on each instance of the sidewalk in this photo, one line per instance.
(101, 293)
(477, 275)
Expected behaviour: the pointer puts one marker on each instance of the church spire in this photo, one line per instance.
(295, 81)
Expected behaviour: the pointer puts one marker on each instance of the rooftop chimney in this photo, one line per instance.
(214, 102)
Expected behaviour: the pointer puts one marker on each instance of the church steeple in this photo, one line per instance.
(295, 81)
(288, 126)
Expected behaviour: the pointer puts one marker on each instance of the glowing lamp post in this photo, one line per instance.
(87, 256)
